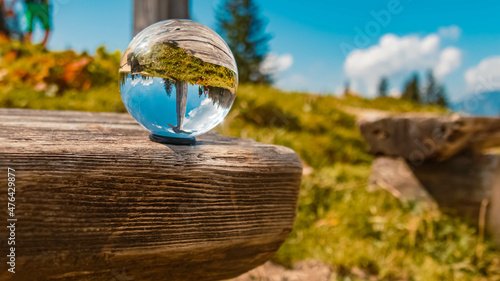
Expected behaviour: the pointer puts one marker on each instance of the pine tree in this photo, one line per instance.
(441, 97)
(435, 93)
(347, 88)
(383, 87)
(239, 22)
(431, 90)
(412, 90)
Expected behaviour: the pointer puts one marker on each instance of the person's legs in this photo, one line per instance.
(44, 16)
(29, 21)
(40, 12)
(46, 38)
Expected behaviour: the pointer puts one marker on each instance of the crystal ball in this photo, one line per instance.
(178, 79)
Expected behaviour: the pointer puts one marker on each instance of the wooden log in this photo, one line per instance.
(147, 12)
(418, 138)
(467, 185)
(96, 200)
(461, 183)
(493, 218)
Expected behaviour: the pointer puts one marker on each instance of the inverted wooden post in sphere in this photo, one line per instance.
(97, 200)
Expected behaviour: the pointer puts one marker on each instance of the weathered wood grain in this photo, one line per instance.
(147, 12)
(461, 183)
(493, 218)
(96, 200)
(419, 138)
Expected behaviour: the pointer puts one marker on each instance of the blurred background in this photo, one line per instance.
(308, 71)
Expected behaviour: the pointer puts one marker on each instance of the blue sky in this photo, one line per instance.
(460, 40)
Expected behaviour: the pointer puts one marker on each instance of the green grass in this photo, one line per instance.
(389, 104)
(340, 221)
(174, 63)
(101, 99)
(343, 224)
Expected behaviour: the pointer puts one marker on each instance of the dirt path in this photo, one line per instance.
(305, 270)
(365, 114)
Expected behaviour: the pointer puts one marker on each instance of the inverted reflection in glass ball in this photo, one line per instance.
(178, 78)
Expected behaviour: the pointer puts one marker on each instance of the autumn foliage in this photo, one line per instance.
(23, 65)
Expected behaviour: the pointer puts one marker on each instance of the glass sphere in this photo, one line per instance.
(178, 78)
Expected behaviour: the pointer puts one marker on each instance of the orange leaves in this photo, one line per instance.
(29, 65)
(76, 74)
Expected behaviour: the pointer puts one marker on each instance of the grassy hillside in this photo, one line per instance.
(363, 234)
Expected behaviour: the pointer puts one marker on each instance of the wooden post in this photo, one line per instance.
(147, 12)
(96, 200)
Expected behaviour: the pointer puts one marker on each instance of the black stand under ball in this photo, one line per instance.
(175, 141)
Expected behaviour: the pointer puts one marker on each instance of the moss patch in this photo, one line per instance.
(166, 60)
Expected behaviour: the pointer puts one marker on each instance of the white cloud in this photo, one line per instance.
(394, 56)
(451, 32)
(339, 90)
(205, 116)
(449, 60)
(139, 80)
(395, 93)
(274, 63)
(485, 76)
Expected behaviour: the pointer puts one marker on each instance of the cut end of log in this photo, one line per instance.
(420, 138)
